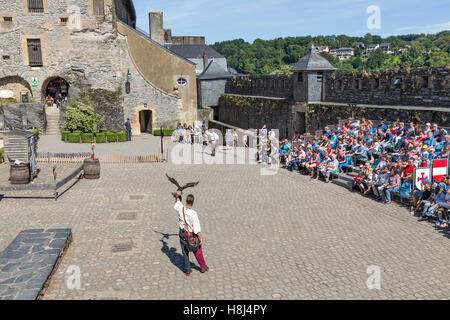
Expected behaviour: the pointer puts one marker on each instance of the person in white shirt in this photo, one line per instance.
(213, 138)
(190, 218)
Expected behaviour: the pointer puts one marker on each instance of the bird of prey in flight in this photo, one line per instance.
(180, 188)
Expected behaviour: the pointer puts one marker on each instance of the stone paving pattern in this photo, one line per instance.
(28, 261)
(144, 144)
(266, 237)
(45, 174)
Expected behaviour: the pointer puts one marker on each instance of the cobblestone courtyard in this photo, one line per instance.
(266, 237)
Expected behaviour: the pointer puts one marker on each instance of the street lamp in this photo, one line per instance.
(128, 83)
(162, 141)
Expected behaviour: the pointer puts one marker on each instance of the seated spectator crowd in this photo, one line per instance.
(387, 155)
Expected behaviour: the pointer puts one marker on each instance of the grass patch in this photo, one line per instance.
(167, 132)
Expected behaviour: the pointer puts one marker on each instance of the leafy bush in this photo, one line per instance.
(122, 136)
(74, 137)
(80, 116)
(36, 133)
(2, 150)
(167, 132)
(64, 134)
(101, 137)
(87, 137)
(111, 136)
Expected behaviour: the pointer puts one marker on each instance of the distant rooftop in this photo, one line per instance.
(214, 71)
(313, 61)
(193, 51)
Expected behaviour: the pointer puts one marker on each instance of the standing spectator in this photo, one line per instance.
(213, 137)
(235, 139)
(228, 138)
(127, 127)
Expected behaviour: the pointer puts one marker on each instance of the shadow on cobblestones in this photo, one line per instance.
(175, 258)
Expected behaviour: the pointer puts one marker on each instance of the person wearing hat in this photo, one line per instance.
(127, 127)
(427, 128)
(430, 206)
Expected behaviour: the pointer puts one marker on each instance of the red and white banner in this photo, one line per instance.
(440, 169)
(421, 174)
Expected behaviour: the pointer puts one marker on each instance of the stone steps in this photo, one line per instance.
(53, 126)
(343, 183)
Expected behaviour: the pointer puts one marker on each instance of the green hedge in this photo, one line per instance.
(111, 136)
(122, 136)
(87, 137)
(167, 132)
(64, 134)
(101, 137)
(74, 137)
(2, 150)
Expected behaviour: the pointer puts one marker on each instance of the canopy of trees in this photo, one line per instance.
(276, 56)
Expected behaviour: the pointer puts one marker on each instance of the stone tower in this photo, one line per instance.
(309, 74)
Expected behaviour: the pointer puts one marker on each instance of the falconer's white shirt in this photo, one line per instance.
(191, 218)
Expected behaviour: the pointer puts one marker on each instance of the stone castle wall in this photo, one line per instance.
(320, 115)
(264, 86)
(253, 112)
(24, 116)
(420, 87)
(93, 57)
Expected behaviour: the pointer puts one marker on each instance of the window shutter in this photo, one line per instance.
(35, 5)
(99, 7)
(35, 53)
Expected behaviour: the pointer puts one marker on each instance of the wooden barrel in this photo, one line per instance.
(91, 169)
(20, 174)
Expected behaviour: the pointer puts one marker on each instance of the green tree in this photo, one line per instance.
(81, 116)
(438, 59)
(375, 60)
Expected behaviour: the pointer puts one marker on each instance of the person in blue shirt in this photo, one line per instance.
(127, 127)
(429, 141)
(432, 154)
(382, 126)
(334, 141)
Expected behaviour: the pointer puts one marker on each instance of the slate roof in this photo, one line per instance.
(193, 51)
(214, 71)
(313, 61)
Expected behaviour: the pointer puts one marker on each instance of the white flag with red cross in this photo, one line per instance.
(440, 169)
(421, 174)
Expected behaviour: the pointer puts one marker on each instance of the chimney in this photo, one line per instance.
(156, 26)
(205, 59)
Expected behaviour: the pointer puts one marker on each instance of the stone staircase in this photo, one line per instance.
(52, 115)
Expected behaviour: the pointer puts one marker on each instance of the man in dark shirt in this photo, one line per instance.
(127, 127)
(426, 196)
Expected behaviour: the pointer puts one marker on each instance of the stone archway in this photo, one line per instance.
(14, 87)
(54, 85)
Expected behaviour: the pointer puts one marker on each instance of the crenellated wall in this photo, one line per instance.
(420, 87)
(278, 86)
